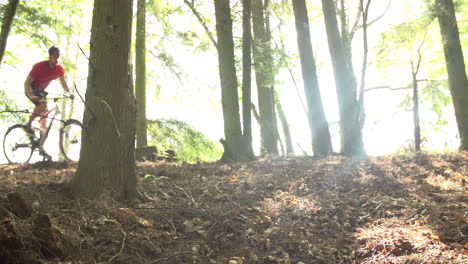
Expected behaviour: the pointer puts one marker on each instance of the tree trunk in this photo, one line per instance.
(265, 80)
(271, 62)
(234, 145)
(285, 126)
(140, 74)
(247, 74)
(351, 134)
(417, 125)
(8, 17)
(456, 70)
(321, 140)
(107, 160)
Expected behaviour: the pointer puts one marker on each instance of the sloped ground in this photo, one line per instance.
(396, 209)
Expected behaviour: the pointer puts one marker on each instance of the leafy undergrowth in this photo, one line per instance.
(395, 209)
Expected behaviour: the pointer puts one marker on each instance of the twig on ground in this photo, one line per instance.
(123, 241)
(177, 254)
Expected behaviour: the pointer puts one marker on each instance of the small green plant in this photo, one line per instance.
(8, 110)
(150, 176)
(189, 144)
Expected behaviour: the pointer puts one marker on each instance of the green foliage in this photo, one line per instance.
(400, 42)
(436, 93)
(32, 20)
(7, 108)
(189, 144)
(150, 176)
(403, 43)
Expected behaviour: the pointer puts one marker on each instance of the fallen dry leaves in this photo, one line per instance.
(394, 209)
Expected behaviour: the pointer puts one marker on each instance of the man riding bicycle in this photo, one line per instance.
(41, 75)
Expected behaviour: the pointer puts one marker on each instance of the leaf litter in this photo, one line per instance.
(392, 209)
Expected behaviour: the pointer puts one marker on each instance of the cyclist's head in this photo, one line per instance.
(54, 50)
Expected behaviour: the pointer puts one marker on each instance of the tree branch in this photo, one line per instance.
(386, 87)
(202, 22)
(380, 16)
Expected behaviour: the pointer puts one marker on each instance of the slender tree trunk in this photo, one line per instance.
(347, 35)
(107, 160)
(321, 140)
(271, 62)
(234, 145)
(247, 74)
(351, 134)
(140, 74)
(8, 16)
(417, 125)
(365, 13)
(284, 125)
(456, 70)
(265, 80)
(416, 119)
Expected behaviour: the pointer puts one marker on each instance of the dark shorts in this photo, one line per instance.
(37, 92)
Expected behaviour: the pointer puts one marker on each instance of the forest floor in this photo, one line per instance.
(297, 210)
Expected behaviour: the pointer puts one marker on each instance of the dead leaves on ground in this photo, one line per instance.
(395, 209)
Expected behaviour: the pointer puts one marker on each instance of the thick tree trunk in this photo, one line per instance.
(321, 140)
(140, 74)
(234, 144)
(456, 70)
(351, 134)
(8, 16)
(265, 80)
(107, 160)
(247, 75)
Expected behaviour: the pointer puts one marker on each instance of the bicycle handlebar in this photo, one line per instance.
(55, 99)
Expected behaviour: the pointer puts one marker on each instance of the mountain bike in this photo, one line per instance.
(20, 141)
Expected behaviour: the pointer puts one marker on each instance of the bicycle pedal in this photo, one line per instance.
(43, 153)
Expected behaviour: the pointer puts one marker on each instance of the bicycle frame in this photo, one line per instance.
(69, 135)
(55, 109)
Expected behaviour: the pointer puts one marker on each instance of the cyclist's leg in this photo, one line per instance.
(36, 97)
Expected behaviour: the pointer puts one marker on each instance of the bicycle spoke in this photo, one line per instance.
(18, 144)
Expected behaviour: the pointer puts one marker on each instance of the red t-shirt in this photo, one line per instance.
(42, 75)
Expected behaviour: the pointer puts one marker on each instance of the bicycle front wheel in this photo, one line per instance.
(18, 144)
(70, 139)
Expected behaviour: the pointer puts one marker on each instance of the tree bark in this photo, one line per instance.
(351, 134)
(107, 160)
(234, 144)
(284, 126)
(456, 70)
(365, 13)
(416, 122)
(247, 74)
(140, 74)
(321, 139)
(8, 16)
(264, 78)
(272, 76)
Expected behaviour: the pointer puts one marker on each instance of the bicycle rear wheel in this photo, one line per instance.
(18, 144)
(70, 139)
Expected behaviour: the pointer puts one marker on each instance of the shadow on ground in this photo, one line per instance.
(396, 209)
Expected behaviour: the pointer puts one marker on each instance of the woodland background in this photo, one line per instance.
(296, 178)
(182, 77)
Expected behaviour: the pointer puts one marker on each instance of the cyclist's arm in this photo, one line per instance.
(65, 86)
(27, 85)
